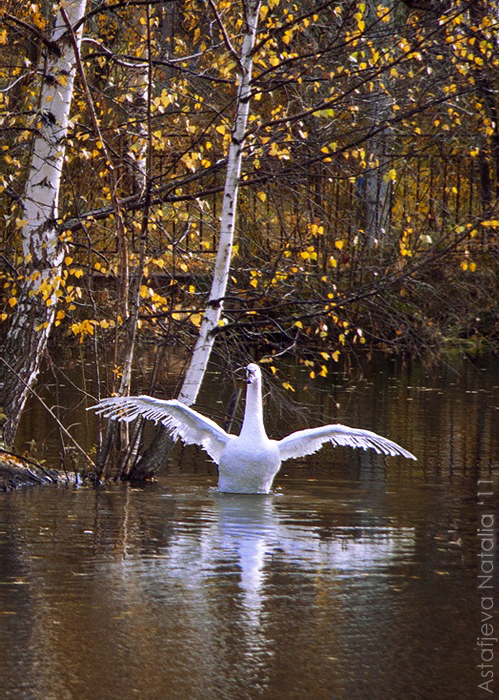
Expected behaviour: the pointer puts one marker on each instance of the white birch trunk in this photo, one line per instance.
(202, 349)
(42, 249)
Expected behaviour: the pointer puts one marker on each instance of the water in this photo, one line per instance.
(356, 578)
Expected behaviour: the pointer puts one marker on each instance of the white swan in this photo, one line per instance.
(248, 462)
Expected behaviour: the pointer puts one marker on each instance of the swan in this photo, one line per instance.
(248, 462)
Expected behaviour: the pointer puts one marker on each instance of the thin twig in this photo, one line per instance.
(225, 36)
(50, 411)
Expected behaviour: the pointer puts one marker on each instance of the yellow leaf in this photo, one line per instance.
(336, 355)
(221, 129)
(288, 386)
(339, 244)
(12, 301)
(298, 324)
(68, 260)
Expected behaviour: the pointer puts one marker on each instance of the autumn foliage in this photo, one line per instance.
(367, 214)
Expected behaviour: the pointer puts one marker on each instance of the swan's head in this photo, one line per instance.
(253, 373)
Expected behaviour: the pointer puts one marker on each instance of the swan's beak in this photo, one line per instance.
(240, 374)
(250, 375)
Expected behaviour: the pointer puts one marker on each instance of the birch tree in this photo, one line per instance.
(212, 314)
(43, 247)
(213, 311)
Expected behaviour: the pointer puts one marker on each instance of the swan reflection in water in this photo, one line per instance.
(242, 542)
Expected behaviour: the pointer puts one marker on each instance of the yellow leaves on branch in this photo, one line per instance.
(196, 319)
(390, 176)
(308, 254)
(254, 275)
(86, 327)
(83, 328)
(316, 229)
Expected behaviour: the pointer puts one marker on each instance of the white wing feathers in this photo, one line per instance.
(183, 422)
(306, 442)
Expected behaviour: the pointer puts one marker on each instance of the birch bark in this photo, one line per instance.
(43, 249)
(204, 344)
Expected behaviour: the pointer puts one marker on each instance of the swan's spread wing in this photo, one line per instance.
(182, 421)
(305, 442)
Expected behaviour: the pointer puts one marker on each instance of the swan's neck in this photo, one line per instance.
(253, 412)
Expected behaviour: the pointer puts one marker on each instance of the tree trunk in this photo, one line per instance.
(377, 187)
(129, 291)
(153, 457)
(43, 251)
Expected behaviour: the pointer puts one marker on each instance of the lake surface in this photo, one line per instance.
(357, 578)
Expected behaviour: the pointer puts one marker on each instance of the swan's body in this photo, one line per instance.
(248, 462)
